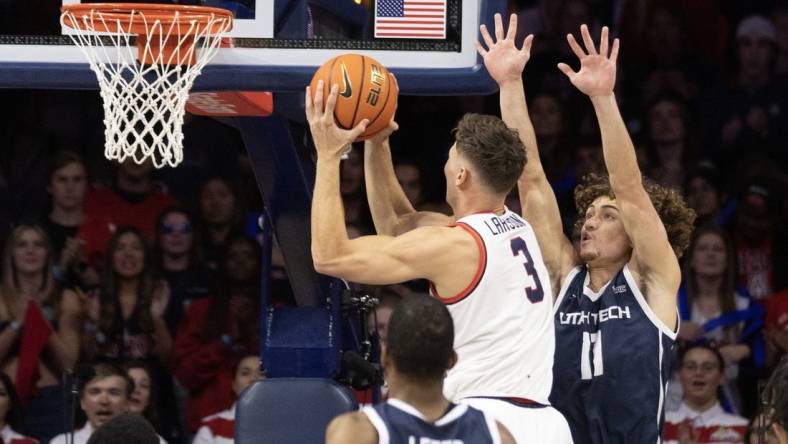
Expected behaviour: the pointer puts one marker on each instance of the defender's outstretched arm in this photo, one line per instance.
(505, 63)
(652, 256)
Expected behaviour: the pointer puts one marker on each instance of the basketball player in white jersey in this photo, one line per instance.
(484, 262)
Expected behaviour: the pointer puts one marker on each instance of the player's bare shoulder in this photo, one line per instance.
(349, 428)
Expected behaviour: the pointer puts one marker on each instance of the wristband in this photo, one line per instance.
(15, 325)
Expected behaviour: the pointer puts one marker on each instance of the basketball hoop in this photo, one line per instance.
(145, 90)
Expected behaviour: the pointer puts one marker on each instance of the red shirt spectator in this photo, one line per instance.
(133, 200)
(205, 365)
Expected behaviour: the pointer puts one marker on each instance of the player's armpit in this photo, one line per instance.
(351, 428)
(540, 209)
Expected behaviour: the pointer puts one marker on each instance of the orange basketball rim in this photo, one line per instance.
(177, 26)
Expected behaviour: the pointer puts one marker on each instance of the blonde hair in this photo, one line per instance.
(9, 282)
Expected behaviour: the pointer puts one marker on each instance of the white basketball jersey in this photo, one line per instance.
(503, 321)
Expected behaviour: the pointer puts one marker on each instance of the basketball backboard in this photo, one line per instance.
(278, 44)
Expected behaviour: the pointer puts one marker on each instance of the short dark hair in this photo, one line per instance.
(64, 158)
(421, 338)
(94, 372)
(494, 148)
(707, 347)
(128, 428)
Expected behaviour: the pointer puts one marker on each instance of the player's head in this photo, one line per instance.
(487, 156)
(776, 401)
(602, 235)
(701, 373)
(127, 428)
(420, 344)
(104, 393)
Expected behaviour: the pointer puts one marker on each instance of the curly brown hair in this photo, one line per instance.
(676, 216)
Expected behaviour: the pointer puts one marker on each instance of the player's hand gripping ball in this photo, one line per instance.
(366, 91)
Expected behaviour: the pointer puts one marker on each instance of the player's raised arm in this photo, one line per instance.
(429, 252)
(505, 63)
(653, 258)
(392, 212)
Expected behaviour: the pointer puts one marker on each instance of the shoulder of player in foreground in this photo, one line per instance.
(352, 427)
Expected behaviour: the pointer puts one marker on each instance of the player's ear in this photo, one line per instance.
(384, 356)
(452, 360)
(462, 177)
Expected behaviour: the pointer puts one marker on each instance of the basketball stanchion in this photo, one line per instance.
(144, 86)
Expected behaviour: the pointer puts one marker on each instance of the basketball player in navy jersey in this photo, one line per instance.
(615, 312)
(416, 355)
(484, 262)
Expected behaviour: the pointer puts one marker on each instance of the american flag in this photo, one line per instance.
(414, 19)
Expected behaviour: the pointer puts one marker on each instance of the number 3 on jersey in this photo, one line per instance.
(533, 290)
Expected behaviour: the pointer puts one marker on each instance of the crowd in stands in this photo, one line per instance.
(151, 279)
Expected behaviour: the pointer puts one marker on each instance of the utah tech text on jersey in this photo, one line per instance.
(585, 317)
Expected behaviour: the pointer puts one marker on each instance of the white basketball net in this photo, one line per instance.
(144, 104)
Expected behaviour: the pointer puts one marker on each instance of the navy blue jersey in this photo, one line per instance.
(612, 361)
(400, 423)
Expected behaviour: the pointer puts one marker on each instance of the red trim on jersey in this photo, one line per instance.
(479, 270)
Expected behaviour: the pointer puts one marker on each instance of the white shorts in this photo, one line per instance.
(527, 424)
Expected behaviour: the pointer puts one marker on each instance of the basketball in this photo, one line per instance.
(366, 91)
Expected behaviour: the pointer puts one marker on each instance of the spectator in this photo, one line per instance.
(134, 199)
(759, 432)
(776, 402)
(219, 428)
(666, 63)
(354, 197)
(749, 118)
(102, 396)
(757, 240)
(378, 319)
(780, 20)
(668, 133)
(409, 177)
(11, 414)
(709, 302)
(550, 125)
(218, 331)
(125, 320)
(177, 261)
(776, 327)
(67, 226)
(221, 218)
(147, 400)
(701, 419)
(41, 327)
(704, 194)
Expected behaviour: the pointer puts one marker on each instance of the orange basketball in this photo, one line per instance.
(366, 91)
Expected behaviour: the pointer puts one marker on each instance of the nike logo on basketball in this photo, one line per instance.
(347, 88)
